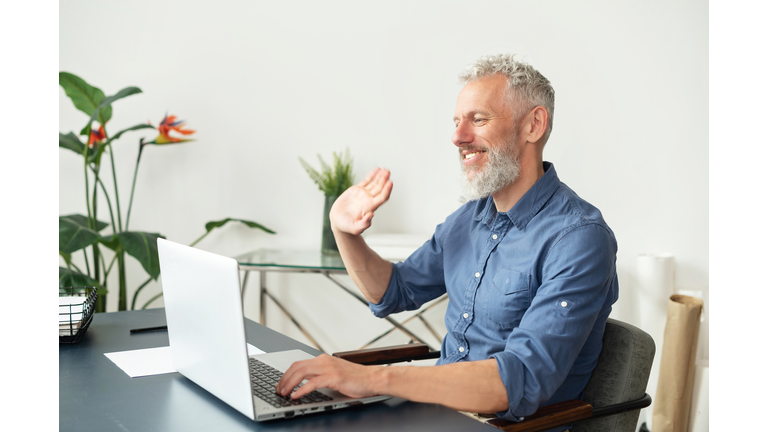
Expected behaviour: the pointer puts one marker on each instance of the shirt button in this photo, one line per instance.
(466, 315)
(461, 349)
(564, 304)
(495, 236)
(477, 275)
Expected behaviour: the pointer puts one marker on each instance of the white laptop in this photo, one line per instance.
(206, 330)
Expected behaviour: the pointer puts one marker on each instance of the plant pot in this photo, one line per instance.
(328, 245)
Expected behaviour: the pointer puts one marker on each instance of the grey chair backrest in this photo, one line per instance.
(621, 375)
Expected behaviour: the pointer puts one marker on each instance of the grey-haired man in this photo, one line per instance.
(528, 266)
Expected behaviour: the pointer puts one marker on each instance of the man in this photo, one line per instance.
(529, 267)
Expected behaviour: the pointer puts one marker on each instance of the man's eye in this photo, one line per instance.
(479, 120)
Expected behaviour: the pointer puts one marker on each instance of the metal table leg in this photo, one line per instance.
(417, 315)
(264, 293)
(391, 321)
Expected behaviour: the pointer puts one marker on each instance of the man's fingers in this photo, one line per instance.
(307, 388)
(379, 181)
(383, 196)
(292, 377)
(368, 177)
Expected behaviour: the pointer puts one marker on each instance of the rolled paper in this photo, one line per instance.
(672, 404)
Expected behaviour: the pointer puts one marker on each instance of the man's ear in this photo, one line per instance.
(535, 124)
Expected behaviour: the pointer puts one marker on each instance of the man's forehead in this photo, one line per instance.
(485, 96)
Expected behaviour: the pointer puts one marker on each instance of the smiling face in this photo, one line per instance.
(485, 135)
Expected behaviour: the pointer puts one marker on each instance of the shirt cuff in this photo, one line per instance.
(512, 375)
(388, 302)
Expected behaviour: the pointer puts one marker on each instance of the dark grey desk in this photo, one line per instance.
(96, 395)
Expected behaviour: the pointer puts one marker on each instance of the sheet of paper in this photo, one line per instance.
(151, 361)
(71, 306)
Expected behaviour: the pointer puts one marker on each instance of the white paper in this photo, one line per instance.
(71, 308)
(151, 361)
(655, 283)
(699, 419)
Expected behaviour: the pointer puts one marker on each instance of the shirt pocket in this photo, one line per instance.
(505, 300)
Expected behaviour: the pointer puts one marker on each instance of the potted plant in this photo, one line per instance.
(332, 180)
(79, 232)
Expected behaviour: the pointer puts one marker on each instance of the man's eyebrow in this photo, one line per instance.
(473, 114)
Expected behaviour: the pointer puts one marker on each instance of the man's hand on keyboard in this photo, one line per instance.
(324, 371)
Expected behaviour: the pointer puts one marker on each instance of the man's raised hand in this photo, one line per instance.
(353, 210)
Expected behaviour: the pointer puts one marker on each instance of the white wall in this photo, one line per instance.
(265, 83)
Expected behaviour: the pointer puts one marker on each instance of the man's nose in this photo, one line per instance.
(462, 135)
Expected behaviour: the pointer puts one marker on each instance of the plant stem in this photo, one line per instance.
(93, 222)
(133, 186)
(87, 198)
(75, 266)
(136, 294)
(109, 205)
(106, 272)
(121, 306)
(87, 267)
(117, 197)
(111, 263)
(96, 267)
(199, 238)
(151, 300)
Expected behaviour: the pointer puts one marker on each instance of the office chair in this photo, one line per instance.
(613, 396)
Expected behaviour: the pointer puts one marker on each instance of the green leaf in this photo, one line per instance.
(332, 180)
(85, 96)
(143, 247)
(215, 224)
(73, 236)
(72, 278)
(106, 103)
(83, 221)
(132, 128)
(111, 242)
(67, 257)
(72, 142)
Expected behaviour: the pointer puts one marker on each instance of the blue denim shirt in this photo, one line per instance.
(531, 287)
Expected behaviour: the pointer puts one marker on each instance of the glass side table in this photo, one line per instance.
(330, 266)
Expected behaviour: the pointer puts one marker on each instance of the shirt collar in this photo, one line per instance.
(530, 204)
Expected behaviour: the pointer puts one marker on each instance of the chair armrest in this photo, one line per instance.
(387, 355)
(619, 408)
(547, 417)
(567, 412)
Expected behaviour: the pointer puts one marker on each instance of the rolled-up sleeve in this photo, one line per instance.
(577, 290)
(415, 281)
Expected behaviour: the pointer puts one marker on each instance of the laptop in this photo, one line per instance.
(206, 331)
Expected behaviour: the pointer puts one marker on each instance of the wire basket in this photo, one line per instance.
(76, 306)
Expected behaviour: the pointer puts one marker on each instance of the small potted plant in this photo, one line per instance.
(332, 180)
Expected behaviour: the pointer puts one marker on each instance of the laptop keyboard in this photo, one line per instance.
(265, 379)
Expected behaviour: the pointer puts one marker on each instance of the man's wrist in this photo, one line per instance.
(381, 378)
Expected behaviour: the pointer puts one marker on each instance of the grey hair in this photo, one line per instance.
(525, 85)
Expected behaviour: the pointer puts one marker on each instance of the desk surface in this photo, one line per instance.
(96, 395)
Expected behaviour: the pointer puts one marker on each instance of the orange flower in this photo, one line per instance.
(169, 124)
(97, 137)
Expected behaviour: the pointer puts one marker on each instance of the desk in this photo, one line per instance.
(95, 395)
(330, 266)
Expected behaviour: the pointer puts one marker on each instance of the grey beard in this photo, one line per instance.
(501, 170)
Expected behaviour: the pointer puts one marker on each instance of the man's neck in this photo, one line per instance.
(506, 198)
